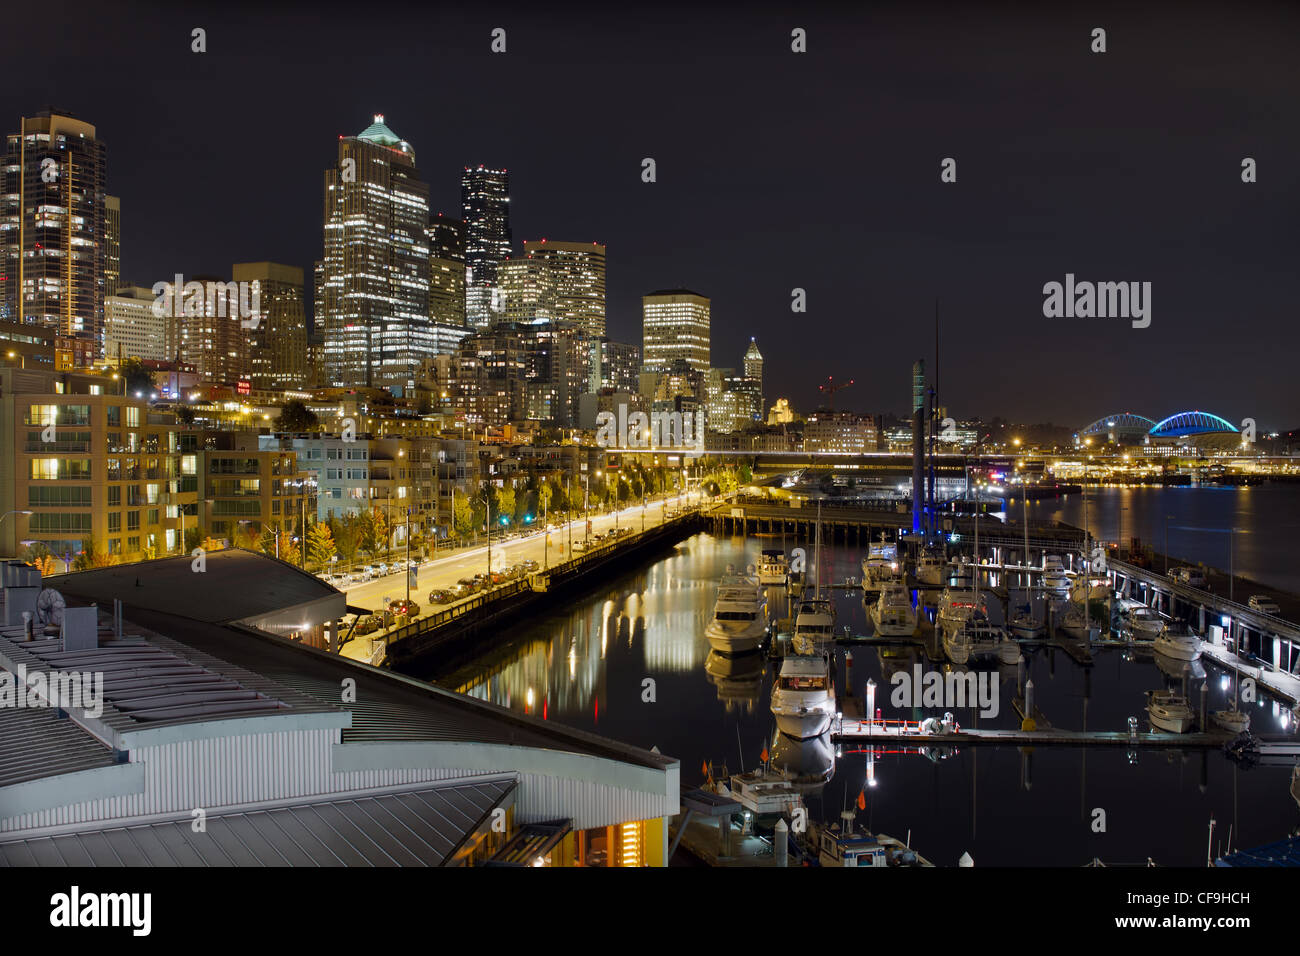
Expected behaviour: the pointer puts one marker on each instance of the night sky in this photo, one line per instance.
(775, 171)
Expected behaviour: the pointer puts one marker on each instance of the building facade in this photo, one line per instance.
(54, 230)
(675, 326)
(277, 340)
(373, 280)
(485, 204)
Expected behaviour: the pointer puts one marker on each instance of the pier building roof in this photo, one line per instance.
(220, 714)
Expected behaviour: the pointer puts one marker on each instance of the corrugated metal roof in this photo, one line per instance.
(152, 681)
(36, 743)
(388, 708)
(235, 586)
(415, 827)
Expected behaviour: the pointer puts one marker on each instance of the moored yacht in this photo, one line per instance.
(739, 616)
(1144, 622)
(880, 565)
(1179, 645)
(772, 568)
(1169, 711)
(956, 606)
(1054, 577)
(929, 567)
(815, 620)
(803, 697)
(893, 614)
(1025, 624)
(844, 845)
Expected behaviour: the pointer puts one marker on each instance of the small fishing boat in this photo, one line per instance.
(845, 845)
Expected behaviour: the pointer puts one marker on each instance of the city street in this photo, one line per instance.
(445, 571)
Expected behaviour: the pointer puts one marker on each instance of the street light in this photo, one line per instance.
(1167, 517)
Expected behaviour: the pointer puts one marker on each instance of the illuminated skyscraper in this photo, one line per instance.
(485, 201)
(113, 245)
(675, 325)
(446, 271)
(54, 230)
(373, 280)
(754, 367)
(573, 276)
(277, 343)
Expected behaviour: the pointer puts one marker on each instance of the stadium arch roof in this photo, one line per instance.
(1185, 424)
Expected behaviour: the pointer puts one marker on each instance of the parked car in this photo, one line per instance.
(440, 596)
(471, 585)
(1192, 577)
(1264, 604)
(368, 572)
(367, 623)
(382, 568)
(402, 606)
(529, 565)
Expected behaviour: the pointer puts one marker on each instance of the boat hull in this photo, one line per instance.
(1174, 723)
(802, 725)
(1177, 650)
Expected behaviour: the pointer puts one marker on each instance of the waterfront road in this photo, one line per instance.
(445, 571)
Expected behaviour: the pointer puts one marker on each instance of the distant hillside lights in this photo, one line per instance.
(680, 431)
(217, 299)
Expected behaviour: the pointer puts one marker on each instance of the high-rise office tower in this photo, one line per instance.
(53, 229)
(675, 325)
(209, 330)
(277, 343)
(485, 202)
(113, 245)
(754, 366)
(373, 290)
(132, 326)
(446, 271)
(574, 276)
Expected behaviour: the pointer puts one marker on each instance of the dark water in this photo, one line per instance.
(585, 667)
(1266, 548)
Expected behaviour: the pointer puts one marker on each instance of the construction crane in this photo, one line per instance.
(830, 388)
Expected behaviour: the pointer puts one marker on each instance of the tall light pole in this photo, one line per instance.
(568, 512)
(487, 524)
(1167, 517)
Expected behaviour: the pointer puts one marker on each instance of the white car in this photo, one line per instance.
(1192, 577)
(383, 568)
(1264, 604)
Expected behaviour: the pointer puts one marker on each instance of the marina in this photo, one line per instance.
(1101, 709)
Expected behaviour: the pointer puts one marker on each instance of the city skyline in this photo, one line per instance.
(746, 218)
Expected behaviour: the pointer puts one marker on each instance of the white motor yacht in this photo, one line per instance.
(929, 567)
(893, 614)
(1144, 622)
(1179, 645)
(803, 697)
(1054, 577)
(956, 606)
(739, 616)
(815, 620)
(1169, 711)
(879, 566)
(979, 638)
(772, 568)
